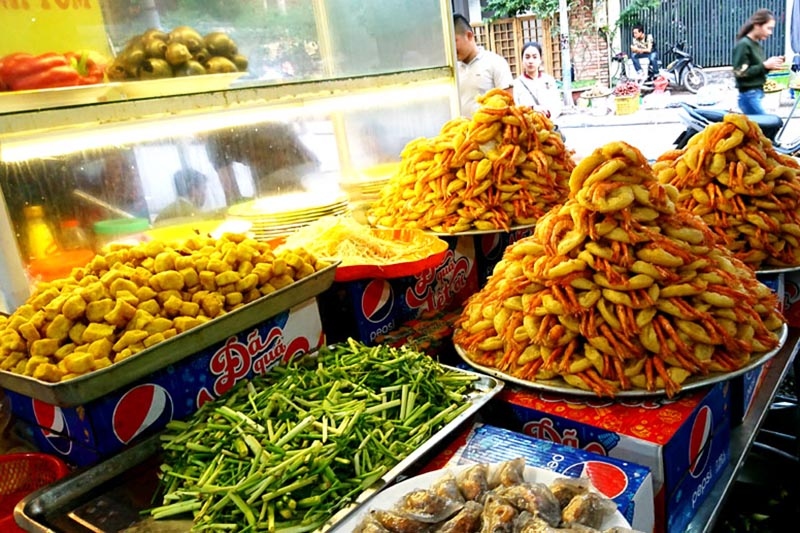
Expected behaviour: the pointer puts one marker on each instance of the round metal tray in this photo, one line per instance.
(562, 387)
(776, 270)
(480, 232)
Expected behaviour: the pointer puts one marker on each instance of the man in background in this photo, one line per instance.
(479, 70)
(642, 46)
(190, 188)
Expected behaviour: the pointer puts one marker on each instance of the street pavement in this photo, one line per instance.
(653, 131)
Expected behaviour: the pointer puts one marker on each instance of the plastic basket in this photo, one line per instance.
(626, 105)
(21, 474)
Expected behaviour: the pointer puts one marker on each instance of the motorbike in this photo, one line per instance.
(680, 72)
(772, 126)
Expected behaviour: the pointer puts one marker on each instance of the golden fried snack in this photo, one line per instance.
(617, 290)
(731, 176)
(504, 167)
(131, 298)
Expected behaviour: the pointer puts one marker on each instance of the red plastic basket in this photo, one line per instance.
(21, 474)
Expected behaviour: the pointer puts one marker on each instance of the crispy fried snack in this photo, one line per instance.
(504, 167)
(131, 298)
(730, 176)
(616, 289)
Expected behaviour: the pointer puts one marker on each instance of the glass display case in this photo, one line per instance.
(332, 92)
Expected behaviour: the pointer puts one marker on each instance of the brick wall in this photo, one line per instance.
(589, 51)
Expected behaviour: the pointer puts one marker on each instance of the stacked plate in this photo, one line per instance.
(278, 216)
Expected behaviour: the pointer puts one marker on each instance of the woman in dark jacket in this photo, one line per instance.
(749, 64)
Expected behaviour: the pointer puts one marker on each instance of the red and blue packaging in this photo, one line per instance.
(370, 308)
(685, 441)
(85, 434)
(628, 484)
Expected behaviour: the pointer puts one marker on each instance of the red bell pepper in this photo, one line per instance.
(21, 71)
(90, 66)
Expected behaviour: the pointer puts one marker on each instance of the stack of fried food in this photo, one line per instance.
(731, 176)
(504, 167)
(131, 298)
(617, 290)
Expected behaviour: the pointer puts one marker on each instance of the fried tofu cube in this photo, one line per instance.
(212, 305)
(48, 372)
(293, 260)
(58, 328)
(246, 283)
(65, 350)
(279, 266)
(163, 296)
(76, 332)
(182, 262)
(16, 321)
(226, 289)
(263, 271)
(102, 363)
(190, 309)
(74, 307)
(127, 296)
(158, 325)
(129, 338)
(44, 347)
(122, 284)
(96, 310)
(109, 277)
(233, 298)
(151, 306)
(33, 362)
(145, 293)
(53, 309)
(171, 332)
(304, 271)
(208, 280)
(218, 266)
(79, 362)
(94, 292)
(12, 341)
(43, 298)
(172, 307)
(267, 289)
(226, 278)
(24, 311)
(153, 248)
(140, 319)
(184, 323)
(141, 276)
(96, 331)
(281, 281)
(198, 296)
(190, 277)
(29, 332)
(252, 295)
(136, 348)
(120, 314)
(100, 348)
(153, 339)
(167, 280)
(124, 354)
(164, 261)
(245, 267)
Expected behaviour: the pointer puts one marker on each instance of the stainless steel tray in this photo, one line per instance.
(96, 384)
(560, 386)
(129, 480)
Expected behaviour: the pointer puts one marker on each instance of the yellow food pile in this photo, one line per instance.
(131, 298)
(617, 289)
(730, 176)
(504, 167)
(355, 244)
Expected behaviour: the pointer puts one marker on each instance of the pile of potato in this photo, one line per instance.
(131, 298)
(504, 167)
(731, 176)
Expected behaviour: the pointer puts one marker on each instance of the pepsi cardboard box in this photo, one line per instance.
(85, 434)
(791, 299)
(685, 441)
(366, 309)
(628, 484)
(743, 391)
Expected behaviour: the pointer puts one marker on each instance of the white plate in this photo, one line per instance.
(387, 498)
(12, 101)
(180, 85)
(560, 386)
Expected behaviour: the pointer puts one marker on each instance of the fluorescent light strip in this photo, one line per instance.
(91, 136)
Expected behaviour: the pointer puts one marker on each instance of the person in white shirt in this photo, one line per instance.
(479, 70)
(536, 88)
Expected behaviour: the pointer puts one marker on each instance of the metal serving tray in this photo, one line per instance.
(124, 485)
(93, 385)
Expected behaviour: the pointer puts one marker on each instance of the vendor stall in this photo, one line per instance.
(264, 271)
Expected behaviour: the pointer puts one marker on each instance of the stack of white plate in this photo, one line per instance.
(278, 216)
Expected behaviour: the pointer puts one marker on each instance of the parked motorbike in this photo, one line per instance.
(696, 119)
(681, 72)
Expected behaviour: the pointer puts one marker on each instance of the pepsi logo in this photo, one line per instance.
(607, 478)
(491, 245)
(377, 301)
(699, 447)
(139, 409)
(53, 425)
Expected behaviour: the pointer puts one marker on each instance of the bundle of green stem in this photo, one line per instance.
(285, 451)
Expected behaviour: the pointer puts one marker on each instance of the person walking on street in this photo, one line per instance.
(643, 47)
(749, 64)
(479, 70)
(536, 88)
